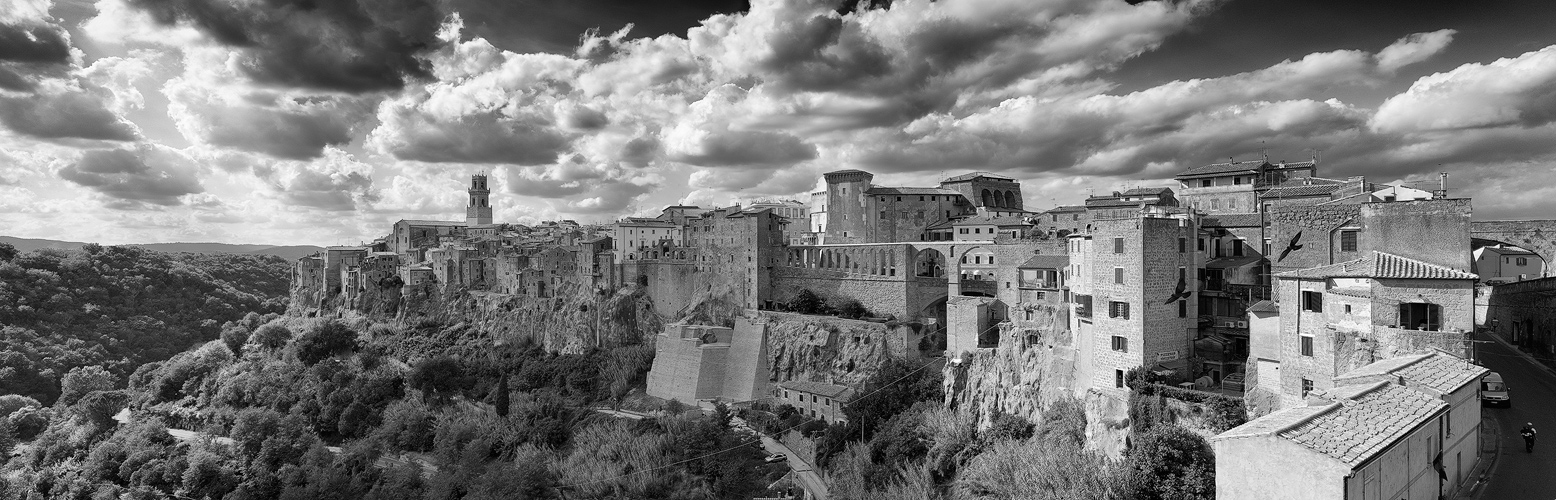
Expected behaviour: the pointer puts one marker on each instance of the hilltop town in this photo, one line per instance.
(1305, 303)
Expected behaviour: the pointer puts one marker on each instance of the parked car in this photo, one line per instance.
(1493, 391)
(776, 457)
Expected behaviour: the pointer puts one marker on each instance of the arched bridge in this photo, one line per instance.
(1538, 236)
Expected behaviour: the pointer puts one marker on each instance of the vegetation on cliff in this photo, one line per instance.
(120, 307)
(315, 408)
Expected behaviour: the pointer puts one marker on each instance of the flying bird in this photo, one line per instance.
(1181, 293)
(1291, 247)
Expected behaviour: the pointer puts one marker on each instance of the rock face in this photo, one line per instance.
(833, 350)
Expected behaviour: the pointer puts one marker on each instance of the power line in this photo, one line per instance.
(748, 443)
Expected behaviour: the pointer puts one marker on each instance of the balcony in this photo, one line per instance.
(979, 288)
(1042, 284)
(1083, 306)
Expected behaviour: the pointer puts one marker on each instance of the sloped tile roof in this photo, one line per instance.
(1001, 221)
(1264, 306)
(1220, 168)
(1438, 371)
(1381, 265)
(1111, 202)
(1231, 220)
(1367, 419)
(1066, 209)
(1301, 190)
(1046, 262)
(840, 392)
(1351, 291)
(975, 175)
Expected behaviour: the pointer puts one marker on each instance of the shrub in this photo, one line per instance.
(99, 407)
(438, 378)
(852, 309)
(271, 336)
(330, 339)
(807, 302)
(1006, 427)
(83, 380)
(1171, 462)
(10, 403)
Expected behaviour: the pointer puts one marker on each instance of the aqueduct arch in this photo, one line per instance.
(1538, 236)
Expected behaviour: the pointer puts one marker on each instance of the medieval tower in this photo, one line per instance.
(479, 211)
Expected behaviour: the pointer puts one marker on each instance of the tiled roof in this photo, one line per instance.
(839, 392)
(944, 224)
(1438, 371)
(1351, 199)
(1231, 220)
(1232, 262)
(846, 171)
(1363, 420)
(1297, 189)
(1111, 202)
(1220, 168)
(1381, 265)
(1046, 262)
(975, 175)
(1147, 191)
(1066, 209)
(879, 190)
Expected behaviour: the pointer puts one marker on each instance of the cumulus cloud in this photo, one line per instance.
(486, 137)
(347, 46)
(29, 34)
(1413, 49)
(279, 125)
(337, 183)
(1516, 91)
(64, 111)
(146, 174)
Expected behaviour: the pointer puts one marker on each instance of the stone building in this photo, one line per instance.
(1339, 317)
(1234, 187)
(1449, 378)
(640, 238)
(798, 214)
(1129, 279)
(1130, 203)
(479, 211)
(990, 194)
(857, 211)
(1371, 441)
(693, 363)
(1063, 220)
(816, 400)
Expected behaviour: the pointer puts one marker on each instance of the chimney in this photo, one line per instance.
(1442, 184)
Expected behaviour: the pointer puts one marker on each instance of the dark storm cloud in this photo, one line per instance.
(71, 114)
(146, 175)
(482, 138)
(11, 80)
(342, 45)
(41, 43)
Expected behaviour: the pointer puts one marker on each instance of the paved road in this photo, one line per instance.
(809, 478)
(1520, 475)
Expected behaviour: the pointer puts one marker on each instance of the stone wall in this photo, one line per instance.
(1538, 236)
(1524, 313)
(1315, 229)
(831, 350)
(1435, 231)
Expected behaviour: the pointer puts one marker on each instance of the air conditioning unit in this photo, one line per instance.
(1229, 324)
(1242, 324)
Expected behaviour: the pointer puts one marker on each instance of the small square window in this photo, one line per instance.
(1120, 344)
(1118, 245)
(1118, 379)
(1183, 245)
(1118, 275)
(1307, 345)
(1118, 310)
(1307, 386)
(1312, 301)
(1347, 308)
(1348, 241)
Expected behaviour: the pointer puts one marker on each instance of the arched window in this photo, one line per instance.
(988, 198)
(1010, 200)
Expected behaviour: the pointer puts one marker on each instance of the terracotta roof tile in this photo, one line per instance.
(1381, 265)
(975, 175)
(1366, 420)
(839, 392)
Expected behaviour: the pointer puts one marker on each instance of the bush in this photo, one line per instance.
(234, 335)
(852, 309)
(83, 380)
(271, 336)
(438, 378)
(10, 403)
(807, 302)
(99, 407)
(29, 422)
(328, 340)
(1171, 462)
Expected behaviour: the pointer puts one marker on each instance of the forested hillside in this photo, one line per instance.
(119, 308)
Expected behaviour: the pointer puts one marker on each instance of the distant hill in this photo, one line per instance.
(288, 252)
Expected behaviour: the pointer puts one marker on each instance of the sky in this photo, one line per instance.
(323, 122)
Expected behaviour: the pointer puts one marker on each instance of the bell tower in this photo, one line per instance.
(479, 211)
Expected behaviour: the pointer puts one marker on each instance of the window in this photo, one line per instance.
(883, 215)
(1118, 310)
(1201, 244)
(1419, 316)
(1120, 344)
(1237, 248)
(1523, 261)
(1307, 386)
(1313, 301)
(1307, 345)
(1215, 203)
(1347, 308)
(1266, 249)
(1183, 308)
(1347, 241)
(1075, 216)
(1118, 245)
(1183, 245)
(1237, 181)
(1118, 275)
(1205, 183)
(1118, 379)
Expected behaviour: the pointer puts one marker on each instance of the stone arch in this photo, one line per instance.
(1010, 200)
(929, 263)
(988, 198)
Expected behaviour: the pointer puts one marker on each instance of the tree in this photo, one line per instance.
(500, 396)
(271, 336)
(437, 378)
(328, 340)
(807, 302)
(7, 252)
(234, 335)
(99, 407)
(9, 403)
(7, 438)
(83, 380)
(1171, 463)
